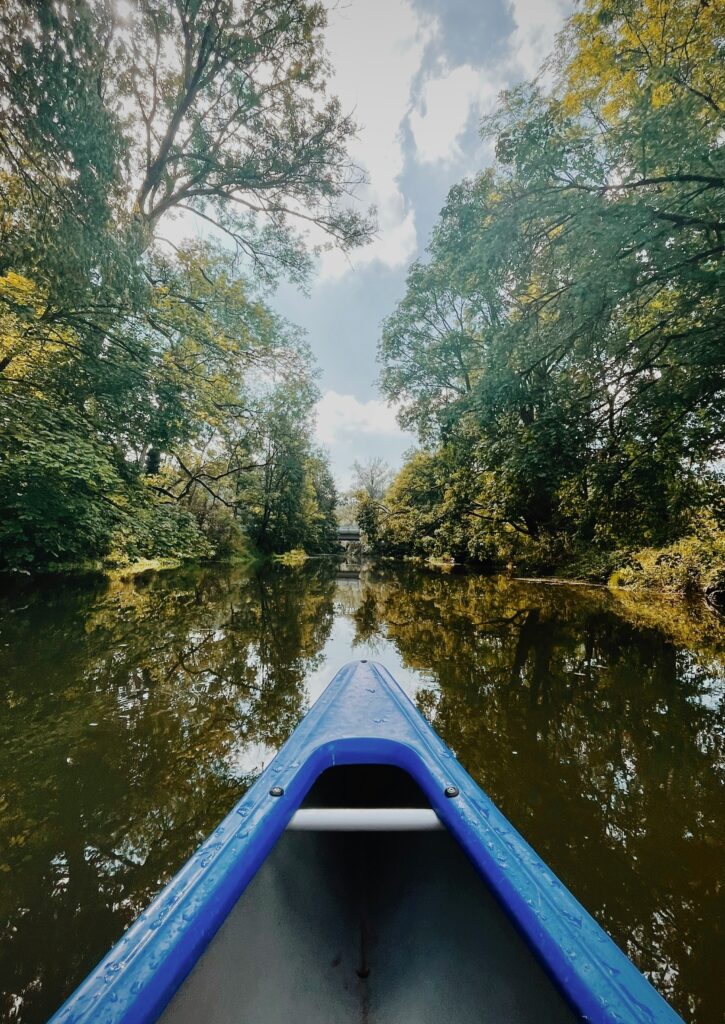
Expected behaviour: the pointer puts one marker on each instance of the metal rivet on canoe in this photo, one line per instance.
(451, 791)
(276, 791)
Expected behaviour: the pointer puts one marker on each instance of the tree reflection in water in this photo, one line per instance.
(132, 715)
(601, 740)
(132, 718)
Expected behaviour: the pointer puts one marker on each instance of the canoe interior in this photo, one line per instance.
(371, 928)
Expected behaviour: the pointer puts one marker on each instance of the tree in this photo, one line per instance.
(285, 496)
(372, 477)
(110, 122)
(216, 107)
(565, 334)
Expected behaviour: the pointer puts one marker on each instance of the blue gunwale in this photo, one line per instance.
(363, 717)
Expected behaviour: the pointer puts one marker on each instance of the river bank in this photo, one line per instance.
(690, 571)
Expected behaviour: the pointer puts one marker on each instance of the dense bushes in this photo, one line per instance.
(693, 565)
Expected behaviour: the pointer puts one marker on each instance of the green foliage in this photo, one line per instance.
(137, 408)
(368, 516)
(561, 351)
(58, 490)
(287, 498)
(155, 529)
(691, 566)
(67, 497)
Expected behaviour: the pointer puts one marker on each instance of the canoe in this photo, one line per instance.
(365, 878)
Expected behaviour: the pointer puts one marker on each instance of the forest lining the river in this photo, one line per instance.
(559, 351)
(561, 348)
(154, 404)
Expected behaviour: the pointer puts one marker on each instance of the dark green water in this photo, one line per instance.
(133, 715)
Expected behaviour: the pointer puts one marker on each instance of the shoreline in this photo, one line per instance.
(297, 559)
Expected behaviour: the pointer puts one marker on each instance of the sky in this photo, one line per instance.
(418, 76)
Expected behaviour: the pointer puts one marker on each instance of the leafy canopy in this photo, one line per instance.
(565, 335)
(133, 370)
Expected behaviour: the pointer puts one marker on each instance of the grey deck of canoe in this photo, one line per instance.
(375, 928)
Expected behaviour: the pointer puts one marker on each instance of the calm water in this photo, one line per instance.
(133, 715)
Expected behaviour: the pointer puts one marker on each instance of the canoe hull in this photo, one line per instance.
(362, 718)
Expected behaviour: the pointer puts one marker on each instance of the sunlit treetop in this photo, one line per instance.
(131, 111)
(623, 53)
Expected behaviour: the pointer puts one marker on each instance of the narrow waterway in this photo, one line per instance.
(133, 714)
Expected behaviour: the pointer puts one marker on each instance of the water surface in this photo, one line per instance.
(134, 714)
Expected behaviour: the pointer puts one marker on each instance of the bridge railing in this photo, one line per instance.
(348, 534)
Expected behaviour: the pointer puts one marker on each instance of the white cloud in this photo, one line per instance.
(376, 48)
(443, 109)
(444, 106)
(537, 24)
(354, 430)
(343, 417)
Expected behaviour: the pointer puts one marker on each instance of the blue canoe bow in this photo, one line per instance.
(362, 718)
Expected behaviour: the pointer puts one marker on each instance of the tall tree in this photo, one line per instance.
(112, 120)
(372, 477)
(216, 107)
(567, 329)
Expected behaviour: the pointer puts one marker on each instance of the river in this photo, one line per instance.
(133, 714)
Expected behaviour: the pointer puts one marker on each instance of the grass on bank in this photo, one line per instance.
(693, 566)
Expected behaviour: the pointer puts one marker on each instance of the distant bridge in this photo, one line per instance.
(348, 534)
